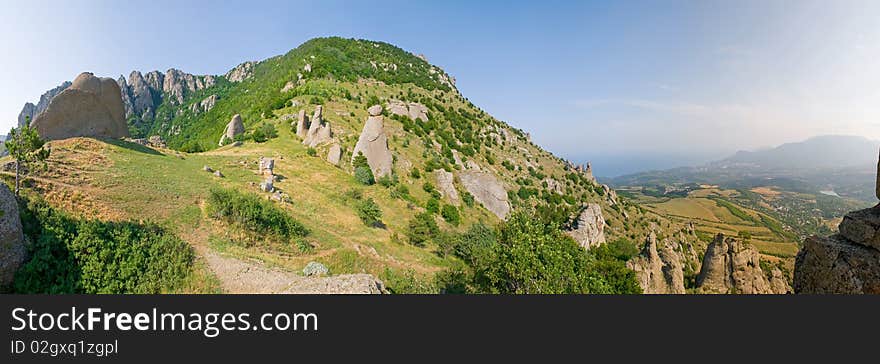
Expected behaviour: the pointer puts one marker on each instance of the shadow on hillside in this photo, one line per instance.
(132, 146)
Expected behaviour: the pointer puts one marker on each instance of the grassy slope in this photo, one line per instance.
(116, 180)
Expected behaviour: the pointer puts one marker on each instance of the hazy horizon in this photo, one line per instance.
(629, 87)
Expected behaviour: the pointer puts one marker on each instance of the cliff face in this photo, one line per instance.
(30, 111)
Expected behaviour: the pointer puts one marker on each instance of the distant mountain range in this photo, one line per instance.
(845, 165)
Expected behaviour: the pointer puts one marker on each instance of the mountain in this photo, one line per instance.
(821, 152)
(30, 111)
(366, 158)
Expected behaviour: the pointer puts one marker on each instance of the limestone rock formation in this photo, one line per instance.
(413, 110)
(835, 265)
(233, 129)
(143, 100)
(302, 124)
(30, 111)
(729, 266)
(177, 84)
(589, 228)
(375, 110)
(90, 107)
(554, 185)
(315, 269)
(487, 190)
(205, 105)
(334, 154)
(446, 186)
(373, 143)
(267, 166)
(13, 251)
(319, 131)
(241, 72)
(658, 271)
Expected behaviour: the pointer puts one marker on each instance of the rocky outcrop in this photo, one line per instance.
(302, 124)
(413, 110)
(730, 266)
(141, 95)
(373, 144)
(241, 72)
(178, 84)
(13, 251)
(319, 131)
(334, 154)
(233, 129)
(487, 190)
(845, 263)
(445, 183)
(554, 185)
(658, 270)
(589, 228)
(205, 105)
(90, 107)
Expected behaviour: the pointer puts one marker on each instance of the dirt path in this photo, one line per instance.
(240, 276)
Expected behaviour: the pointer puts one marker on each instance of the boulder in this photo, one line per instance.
(267, 166)
(90, 107)
(334, 154)
(658, 271)
(846, 263)
(835, 265)
(315, 269)
(413, 110)
(446, 186)
(208, 169)
(218, 174)
(589, 228)
(554, 185)
(487, 190)
(267, 185)
(233, 129)
(375, 110)
(862, 227)
(319, 131)
(730, 266)
(13, 251)
(373, 143)
(302, 124)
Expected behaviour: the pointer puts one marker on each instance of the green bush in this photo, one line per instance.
(312, 152)
(528, 256)
(265, 132)
(370, 213)
(421, 228)
(450, 214)
(364, 175)
(90, 256)
(254, 214)
(433, 205)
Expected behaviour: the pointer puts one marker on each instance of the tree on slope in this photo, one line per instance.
(26, 147)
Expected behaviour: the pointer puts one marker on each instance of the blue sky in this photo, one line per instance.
(628, 85)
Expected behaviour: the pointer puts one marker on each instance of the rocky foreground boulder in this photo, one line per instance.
(13, 251)
(589, 228)
(845, 263)
(487, 190)
(732, 267)
(373, 143)
(90, 107)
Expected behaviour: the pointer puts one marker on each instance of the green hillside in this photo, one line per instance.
(399, 229)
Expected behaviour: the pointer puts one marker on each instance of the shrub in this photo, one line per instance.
(421, 228)
(433, 205)
(401, 192)
(364, 175)
(370, 213)
(312, 152)
(91, 256)
(450, 214)
(386, 181)
(254, 214)
(264, 132)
